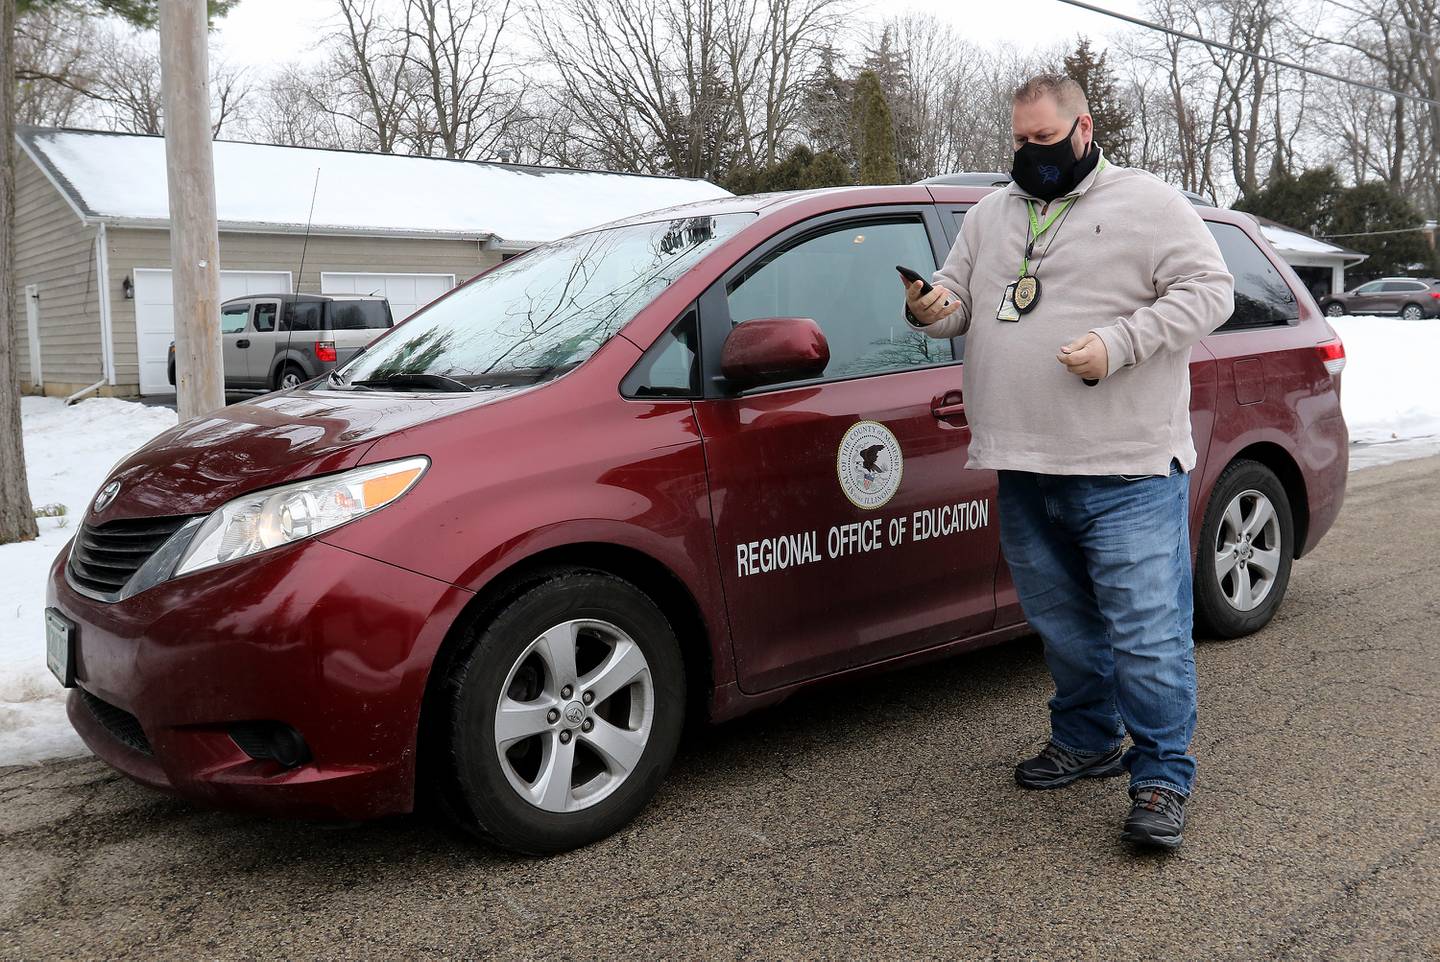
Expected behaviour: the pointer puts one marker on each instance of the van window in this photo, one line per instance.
(844, 279)
(1262, 297)
(233, 318)
(359, 315)
(536, 317)
(671, 368)
(303, 316)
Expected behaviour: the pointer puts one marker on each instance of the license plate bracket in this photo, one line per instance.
(60, 647)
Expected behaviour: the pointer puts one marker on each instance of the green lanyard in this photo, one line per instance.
(1037, 228)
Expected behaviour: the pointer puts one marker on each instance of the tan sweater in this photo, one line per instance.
(1133, 262)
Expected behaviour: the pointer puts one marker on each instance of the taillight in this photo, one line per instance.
(324, 350)
(1332, 355)
(1435, 294)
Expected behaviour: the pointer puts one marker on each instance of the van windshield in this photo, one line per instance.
(539, 315)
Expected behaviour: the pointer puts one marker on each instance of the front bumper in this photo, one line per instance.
(335, 644)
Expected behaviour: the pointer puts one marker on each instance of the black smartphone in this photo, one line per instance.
(912, 276)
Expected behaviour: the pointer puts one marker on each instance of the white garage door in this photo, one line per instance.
(407, 293)
(155, 315)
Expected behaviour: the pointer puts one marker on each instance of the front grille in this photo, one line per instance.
(122, 725)
(106, 556)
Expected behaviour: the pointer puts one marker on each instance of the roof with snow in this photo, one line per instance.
(120, 179)
(1294, 245)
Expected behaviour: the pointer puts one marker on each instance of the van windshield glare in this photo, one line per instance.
(540, 315)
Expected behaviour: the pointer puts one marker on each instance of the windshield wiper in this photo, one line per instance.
(438, 382)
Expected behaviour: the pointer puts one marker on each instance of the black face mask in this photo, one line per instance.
(1049, 170)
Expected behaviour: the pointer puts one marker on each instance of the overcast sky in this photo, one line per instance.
(264, 33)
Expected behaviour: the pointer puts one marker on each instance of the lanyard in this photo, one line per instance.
(1037, 228)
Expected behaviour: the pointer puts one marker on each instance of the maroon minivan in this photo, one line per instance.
(694, 457)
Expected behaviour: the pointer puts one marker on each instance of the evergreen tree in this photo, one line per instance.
(827, 107)
(1113, 120)
(875, 130)
(1370, 217)
(800, 169)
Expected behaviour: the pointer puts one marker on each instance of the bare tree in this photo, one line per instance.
(52, 59)
(371, 73)
(466, 91)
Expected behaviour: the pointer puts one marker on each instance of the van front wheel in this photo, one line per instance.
(562, 714)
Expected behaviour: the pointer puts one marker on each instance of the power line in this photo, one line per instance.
(1376, 233)
(1249, 53)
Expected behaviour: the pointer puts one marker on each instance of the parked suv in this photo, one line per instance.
(692, 458)
(272, 342)
(1410, 297)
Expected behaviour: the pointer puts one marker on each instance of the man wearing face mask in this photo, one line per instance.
(1081, 289)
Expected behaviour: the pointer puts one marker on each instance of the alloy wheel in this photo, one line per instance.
(1412, 313)
(289, 381)
(574, 715)
(1247, 550)
(1334, 310)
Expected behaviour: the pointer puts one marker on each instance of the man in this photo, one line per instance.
(1081, 289)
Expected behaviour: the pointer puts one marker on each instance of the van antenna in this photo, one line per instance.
(300, 274)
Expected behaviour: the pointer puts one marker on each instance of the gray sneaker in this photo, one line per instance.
(1157, 818)
(1056, 767)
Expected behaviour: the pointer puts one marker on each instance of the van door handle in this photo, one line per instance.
(243, 342)
(950, 404)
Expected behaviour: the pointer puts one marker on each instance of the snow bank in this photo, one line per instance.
(1389, 390)
(68, 452)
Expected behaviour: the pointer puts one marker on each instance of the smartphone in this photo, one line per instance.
(912, 276)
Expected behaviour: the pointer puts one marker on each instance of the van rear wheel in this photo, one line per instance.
(562, 714)
(1247, 545)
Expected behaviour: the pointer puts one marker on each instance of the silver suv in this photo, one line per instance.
(274, 342)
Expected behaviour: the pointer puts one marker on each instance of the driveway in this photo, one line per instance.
(874, 818)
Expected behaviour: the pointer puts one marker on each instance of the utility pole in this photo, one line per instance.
(194, 236)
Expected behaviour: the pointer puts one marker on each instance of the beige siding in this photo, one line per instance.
(132, 248)
(56, 252)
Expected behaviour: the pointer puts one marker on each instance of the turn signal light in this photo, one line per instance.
(324, 350)
(1332, 355)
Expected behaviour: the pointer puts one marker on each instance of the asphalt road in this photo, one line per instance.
(874, 818)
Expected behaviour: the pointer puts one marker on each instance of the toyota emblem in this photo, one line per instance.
(106, 495)
(574, 714)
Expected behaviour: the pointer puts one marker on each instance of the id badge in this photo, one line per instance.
(1008, 311)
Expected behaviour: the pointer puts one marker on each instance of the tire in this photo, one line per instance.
(1223, 608)
(1334, 309)
(1412, 312)
(289, 377)
(501, 792)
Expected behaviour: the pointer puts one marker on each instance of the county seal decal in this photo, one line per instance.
(869, 464)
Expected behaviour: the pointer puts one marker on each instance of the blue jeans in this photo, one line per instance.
(1102, 567)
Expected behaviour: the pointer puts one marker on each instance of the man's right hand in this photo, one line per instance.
(929, 308)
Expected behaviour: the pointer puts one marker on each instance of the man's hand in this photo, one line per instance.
(938, 304)
(1085, 357)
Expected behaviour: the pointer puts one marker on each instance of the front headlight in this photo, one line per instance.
(277, 516)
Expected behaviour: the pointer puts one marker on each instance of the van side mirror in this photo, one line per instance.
(768, 350)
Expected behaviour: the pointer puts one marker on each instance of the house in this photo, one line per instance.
(92, 239)
(1319, 263)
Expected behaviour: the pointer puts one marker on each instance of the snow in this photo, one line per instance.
(1387, 391)
(122, 176)
(1296, 242)
(68, 453)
